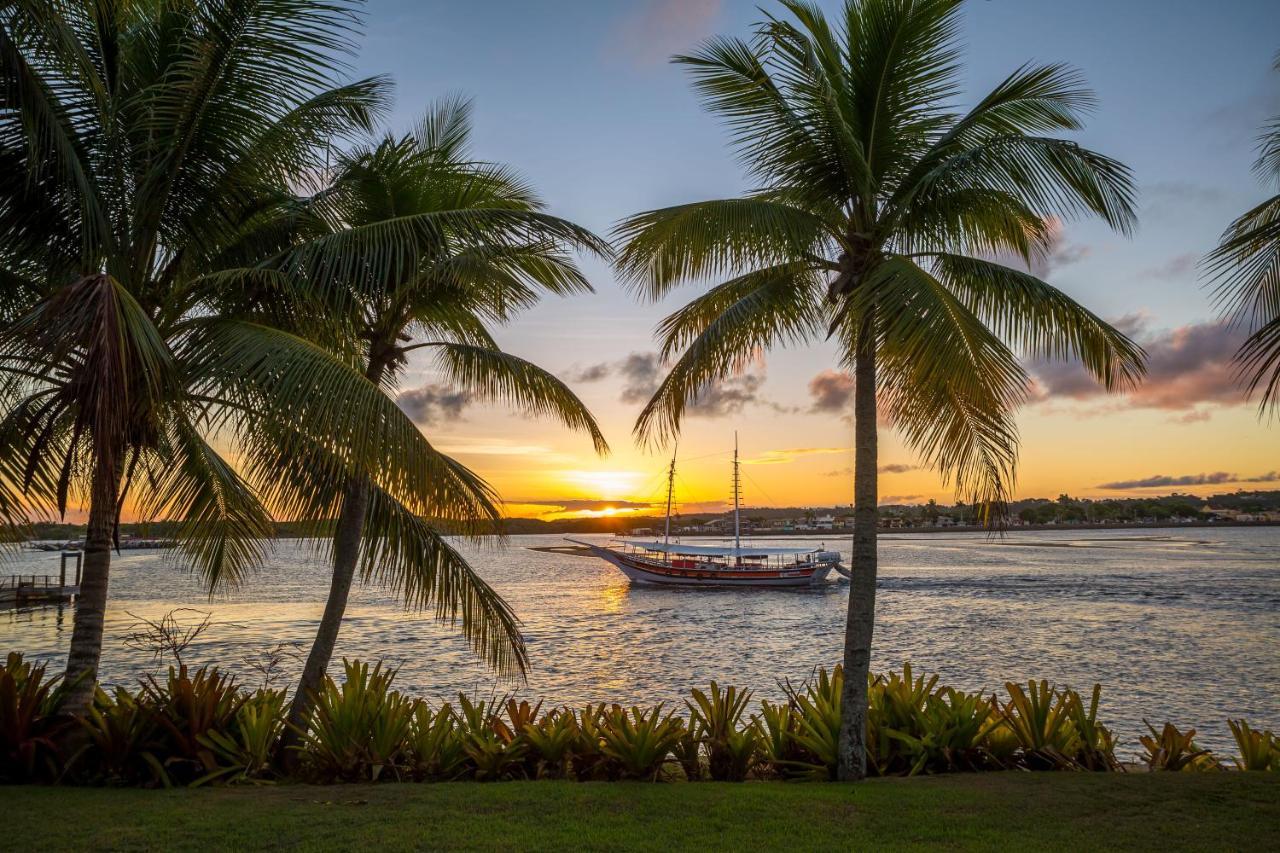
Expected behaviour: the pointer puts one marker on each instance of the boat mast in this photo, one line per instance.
(671, 487)
(737, 494)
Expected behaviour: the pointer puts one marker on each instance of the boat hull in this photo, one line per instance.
(645, 572)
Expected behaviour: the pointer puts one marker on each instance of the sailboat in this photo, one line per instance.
(676, 564)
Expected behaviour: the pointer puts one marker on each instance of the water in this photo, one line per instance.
(1182, 625)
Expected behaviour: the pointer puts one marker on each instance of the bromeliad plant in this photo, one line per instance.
(1259, 750)
(715, 721)
(359, 730)
(199, 728)
(1171, 749)
(31, 722)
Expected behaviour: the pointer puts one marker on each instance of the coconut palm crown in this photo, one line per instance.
(878, 211)
(1246, 270)
(428, 247)
(154, 156)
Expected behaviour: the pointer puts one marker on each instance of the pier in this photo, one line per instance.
(26, 590)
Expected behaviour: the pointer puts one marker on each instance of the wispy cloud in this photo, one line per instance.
(831, 391)
(433, 404)
(1187, 367)
(1213, 479)
(900, 499)
(782, 457)
(890, 468)
(1057, 252)
(641, 373)
(495, 449)
(655, 29)
(1179, 266)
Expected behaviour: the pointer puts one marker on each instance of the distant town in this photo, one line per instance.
(1262, 507)
(1258, 507)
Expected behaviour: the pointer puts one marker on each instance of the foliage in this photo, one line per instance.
(30, 722)
(636, 743)
(714, 720)
(1170, 749)
(359, 730)
(1259, 750)
(435, 748)
(494, 749)
(817, 724)
(245, 752)
(199, 728)
(1245, 270)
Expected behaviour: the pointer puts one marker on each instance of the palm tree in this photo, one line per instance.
(429, 246)
(148, 150)
(1246, 266)
(877, 203)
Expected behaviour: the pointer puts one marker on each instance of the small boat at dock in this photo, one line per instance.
(664, 562)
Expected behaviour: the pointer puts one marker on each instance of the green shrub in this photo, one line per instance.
(31, 723)
(1174, 750)
(715, 722)
(636, 743)
(358, 731)
(1259, 750)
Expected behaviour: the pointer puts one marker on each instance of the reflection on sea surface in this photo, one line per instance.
(1179, 624)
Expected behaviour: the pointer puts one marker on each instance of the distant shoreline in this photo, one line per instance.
(971, 528)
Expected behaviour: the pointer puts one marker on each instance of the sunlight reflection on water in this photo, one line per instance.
(1181, 625)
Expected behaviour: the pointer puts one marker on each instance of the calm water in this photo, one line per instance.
(1179, 624)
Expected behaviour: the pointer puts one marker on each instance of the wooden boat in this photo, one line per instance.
(706, 565)
(677, 564)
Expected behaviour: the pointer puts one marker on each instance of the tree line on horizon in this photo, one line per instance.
(215, 262)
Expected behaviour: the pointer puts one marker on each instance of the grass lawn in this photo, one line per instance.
(1010, 811)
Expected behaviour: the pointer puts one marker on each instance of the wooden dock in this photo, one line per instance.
(28, 590)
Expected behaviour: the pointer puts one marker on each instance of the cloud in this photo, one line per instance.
(831, 391)
(1176, 267)
(497, 448)
(1056, 253)
(900, 499)
(891, 468)
(1187, 367)
(432, 404)
(782, 457)
(649, 34)
(590, 373)
(641, 373)
(1165, 200)
(584, 505)
(1216, 478)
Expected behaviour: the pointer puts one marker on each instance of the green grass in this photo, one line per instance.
(995, 810)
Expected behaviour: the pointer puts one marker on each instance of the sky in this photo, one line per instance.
(581, 99)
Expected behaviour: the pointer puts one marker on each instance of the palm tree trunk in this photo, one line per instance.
(91, 602)
(347, 538)
(852, 763)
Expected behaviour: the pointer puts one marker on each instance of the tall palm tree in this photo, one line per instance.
(1246, 267)
(429, 246)
(148, 152)
(877, 204)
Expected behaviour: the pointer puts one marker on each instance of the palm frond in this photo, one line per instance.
(727, 236)
(1042, 321)
(496, 375)
(402, 552)
(726, 328)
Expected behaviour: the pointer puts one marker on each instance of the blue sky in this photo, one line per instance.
(579, 97)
